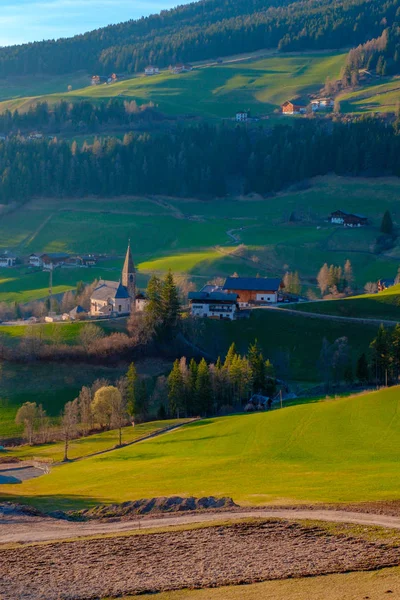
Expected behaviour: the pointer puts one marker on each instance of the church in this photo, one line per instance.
(116, 298)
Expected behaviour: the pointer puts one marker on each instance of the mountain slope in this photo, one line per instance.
(206, 29)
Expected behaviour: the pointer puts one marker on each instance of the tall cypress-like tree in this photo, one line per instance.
(176, 390)
(170, 302)
(257, 364)
(387, 223)
(204, 392)
(131, 377)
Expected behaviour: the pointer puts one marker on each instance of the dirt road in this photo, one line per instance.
(24, 529)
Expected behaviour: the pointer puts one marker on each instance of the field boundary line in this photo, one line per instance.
(141, 439)
(312, 315)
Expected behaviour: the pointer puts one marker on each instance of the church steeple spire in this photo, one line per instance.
(129, 274)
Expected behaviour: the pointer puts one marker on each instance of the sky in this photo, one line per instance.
(33, 20)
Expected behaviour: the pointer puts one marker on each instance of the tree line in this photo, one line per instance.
(82, 116)
(204, 30)
(203, 160)
(198, 388)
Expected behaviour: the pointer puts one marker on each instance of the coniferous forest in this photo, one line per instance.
(208, 29)
(201, 160)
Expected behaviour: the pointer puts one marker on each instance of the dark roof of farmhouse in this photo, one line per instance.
(216, 296)
(109, 289)
(343, 212)
(253, 284)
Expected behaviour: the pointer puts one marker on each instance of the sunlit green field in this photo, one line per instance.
(192, 236)
(92, 444)
(384, 305)
(261, 85)
(378, 96)
(331, 451)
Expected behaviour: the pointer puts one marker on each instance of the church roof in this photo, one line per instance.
(109, 289)
(129, 266)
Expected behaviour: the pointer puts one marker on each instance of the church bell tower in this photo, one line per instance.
(129, 276)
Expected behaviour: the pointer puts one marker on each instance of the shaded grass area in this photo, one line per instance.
(380, 95)
(342, 450)
(51, 385)
(292, 342)
(384, 305)
(347, 586)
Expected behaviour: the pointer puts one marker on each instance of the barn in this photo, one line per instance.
(254, 290)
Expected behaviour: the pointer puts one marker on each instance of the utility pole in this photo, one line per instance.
(50, 286)
(280, 393)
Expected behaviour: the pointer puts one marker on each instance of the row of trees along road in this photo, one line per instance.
(205, 389)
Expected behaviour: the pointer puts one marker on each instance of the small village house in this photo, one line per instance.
(96, 80)
(213, 305)
(113, 78)
(242, 116)
(181, 68)
(150, 70)
(53, 260)
(322, 104)
(341, 217)
(7, 260)
(294, 107)
(254, 290)
(35, 260)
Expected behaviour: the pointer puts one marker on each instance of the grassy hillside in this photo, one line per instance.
(377, 96)
(292, 342)
(337, 450)
(91, 444)
(260, 85)
(192, 236)
(384, 305)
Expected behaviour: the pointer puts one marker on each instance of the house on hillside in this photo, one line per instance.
(293, 107)
(341, 217)
(213, 305)
(116, 298)
(35, 260)
(7, 260)
(242, 116)
(53, 260)
(96, 80)
(322, 104)
(113, 78)
(150, 70)
(181, 68)
(254, 290)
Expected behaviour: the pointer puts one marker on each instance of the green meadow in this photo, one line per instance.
(100, 442)
(383, 305)
(380, 96)
(192, 236)
(340, 450)
(260, 85)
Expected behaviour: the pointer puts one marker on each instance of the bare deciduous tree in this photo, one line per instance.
(69, 424)
(90, 334)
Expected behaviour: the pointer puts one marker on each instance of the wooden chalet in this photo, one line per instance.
(213, 304)
(341, 217)
(254, 290)
(293, 107)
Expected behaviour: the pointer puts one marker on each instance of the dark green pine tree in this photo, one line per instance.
(131, 377)
(257, 364)
(387, 224)
(176, 391)
(362, 370)
(169, 302)
(154, 309)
